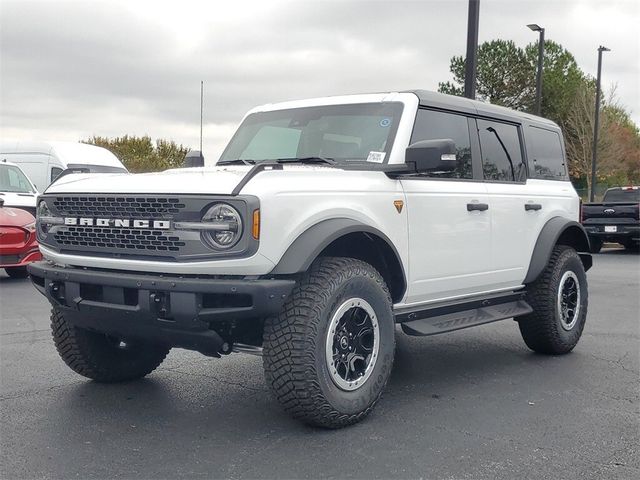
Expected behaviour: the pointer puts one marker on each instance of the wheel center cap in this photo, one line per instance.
(344, 342)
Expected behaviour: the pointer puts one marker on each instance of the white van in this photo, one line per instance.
(43, 162)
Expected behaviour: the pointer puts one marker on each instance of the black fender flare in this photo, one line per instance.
(310, 243)
(556, 229)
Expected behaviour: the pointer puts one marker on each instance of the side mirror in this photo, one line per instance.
(431, 156)
(193, 159)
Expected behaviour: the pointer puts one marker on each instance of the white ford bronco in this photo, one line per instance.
(324, 224)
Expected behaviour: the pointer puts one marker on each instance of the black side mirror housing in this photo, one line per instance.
(193, 158)
(431, 156)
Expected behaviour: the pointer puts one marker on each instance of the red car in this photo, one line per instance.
(18, 244)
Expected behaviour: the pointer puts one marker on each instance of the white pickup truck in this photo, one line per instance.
(325, 224)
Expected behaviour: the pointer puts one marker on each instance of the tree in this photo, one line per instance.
(618, 159)
(140, 154)
(562, 78)
(579, 135)
(622, 165)
(504, 75)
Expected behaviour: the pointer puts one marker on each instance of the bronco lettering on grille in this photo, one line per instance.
(118, 223)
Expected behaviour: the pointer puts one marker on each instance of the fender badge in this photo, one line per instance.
(398, 204)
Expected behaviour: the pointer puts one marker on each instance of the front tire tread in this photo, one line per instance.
(289, 350)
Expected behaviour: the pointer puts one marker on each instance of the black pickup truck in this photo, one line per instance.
(616, 219)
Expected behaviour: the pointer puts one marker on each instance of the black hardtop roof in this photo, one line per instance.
(465, 105)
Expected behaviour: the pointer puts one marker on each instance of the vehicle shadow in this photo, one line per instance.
(618, 251)
(424, 369)
(9, 280)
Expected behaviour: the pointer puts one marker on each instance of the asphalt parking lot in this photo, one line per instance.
(472, 404)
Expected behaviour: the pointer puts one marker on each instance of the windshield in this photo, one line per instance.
(622, 195)
(13, 180)
(340, 133)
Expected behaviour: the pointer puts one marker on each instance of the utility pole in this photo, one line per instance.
(596, 124)
(538, 28)
(472, 49)
(201, 108)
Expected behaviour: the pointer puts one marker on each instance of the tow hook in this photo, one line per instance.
(56, 292)
(160, 303)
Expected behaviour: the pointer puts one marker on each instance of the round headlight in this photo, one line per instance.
(43, 211)
(226, 226)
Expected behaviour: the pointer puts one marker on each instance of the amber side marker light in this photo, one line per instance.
(255, 230)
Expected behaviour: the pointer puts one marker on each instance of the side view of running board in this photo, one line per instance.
(456, 316)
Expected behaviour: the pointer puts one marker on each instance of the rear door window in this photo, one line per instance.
(501, 152)
(548, 159)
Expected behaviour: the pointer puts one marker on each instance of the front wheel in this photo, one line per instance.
(103, 358)
(559, 299)
(328, 355)
(17, 272)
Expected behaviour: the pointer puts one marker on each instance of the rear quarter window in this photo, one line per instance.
(548, 158)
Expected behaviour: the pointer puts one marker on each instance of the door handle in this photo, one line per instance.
(532, 206)
(477, 206)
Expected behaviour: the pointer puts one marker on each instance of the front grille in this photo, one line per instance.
(151, 242)
(159, 208)
(119, 238)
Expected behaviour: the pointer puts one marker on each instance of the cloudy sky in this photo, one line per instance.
(73, 69)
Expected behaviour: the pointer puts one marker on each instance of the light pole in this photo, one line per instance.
(201, 108)
(537, 28)
(596, 124)
(472, 49)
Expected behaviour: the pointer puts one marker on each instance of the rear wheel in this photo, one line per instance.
(103, 358)
(17, 272)
(559, 299)
(329, 353)
(595, 244)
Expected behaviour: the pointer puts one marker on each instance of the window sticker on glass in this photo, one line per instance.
(376, 157)
(385, 122)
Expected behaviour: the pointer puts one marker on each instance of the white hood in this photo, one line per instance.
(12, 199)
(207, 180)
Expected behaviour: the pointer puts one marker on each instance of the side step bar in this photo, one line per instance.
(444, 318)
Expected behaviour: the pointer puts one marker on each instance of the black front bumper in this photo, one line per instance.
(180, 311)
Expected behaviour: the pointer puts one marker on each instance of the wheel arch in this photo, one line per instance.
(349, 238)
(558, 231)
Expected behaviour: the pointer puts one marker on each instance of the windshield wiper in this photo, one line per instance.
(328, 160)
(237, 161)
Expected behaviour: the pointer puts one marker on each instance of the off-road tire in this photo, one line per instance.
(595, 244)
(98, 357)
(542, 330)
(294, 354)
(17, 272)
